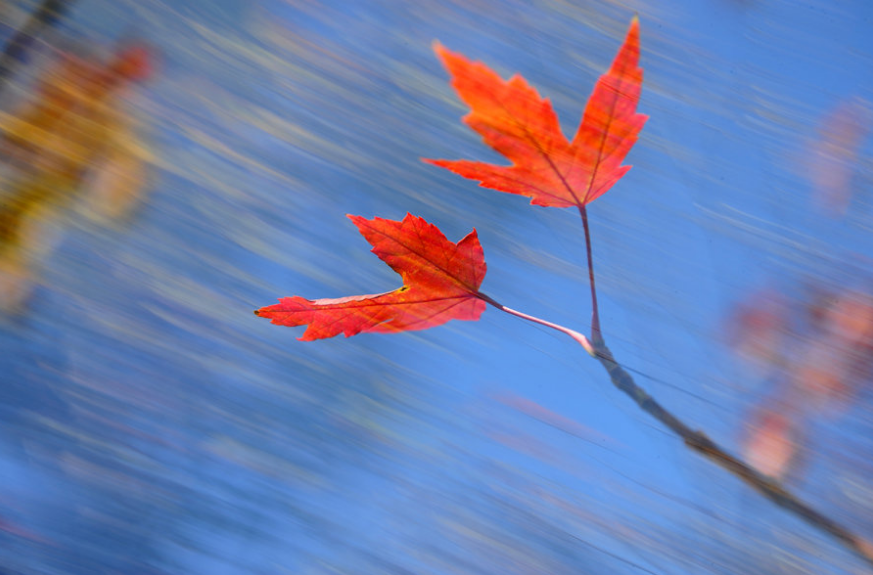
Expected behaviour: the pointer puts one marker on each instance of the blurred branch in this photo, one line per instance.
(48, 14)
(700, 442)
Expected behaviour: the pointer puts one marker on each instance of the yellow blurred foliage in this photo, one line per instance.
(73, 138)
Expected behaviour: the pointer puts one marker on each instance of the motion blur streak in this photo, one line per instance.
(169, 165)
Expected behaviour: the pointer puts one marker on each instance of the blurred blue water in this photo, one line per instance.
(152, 425)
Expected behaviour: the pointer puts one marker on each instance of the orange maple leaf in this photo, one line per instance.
(513, 119)
(441, 282)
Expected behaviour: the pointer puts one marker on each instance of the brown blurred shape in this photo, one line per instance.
(73, 135)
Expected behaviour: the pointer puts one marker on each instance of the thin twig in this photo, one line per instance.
(578, 337)
(596, 334)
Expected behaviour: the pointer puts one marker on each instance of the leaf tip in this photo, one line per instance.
(633, 33)
(443, 53)
(452, 61)
(438, 163)
(357, 220)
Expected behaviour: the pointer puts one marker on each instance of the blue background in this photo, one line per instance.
(152, 425)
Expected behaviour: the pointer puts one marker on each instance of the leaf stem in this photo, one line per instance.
(596, 334)
(578, 337)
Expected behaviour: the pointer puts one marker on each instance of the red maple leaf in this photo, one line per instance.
(514, 120)
(441, 282)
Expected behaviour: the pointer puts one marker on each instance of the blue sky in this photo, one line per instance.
(141, 386)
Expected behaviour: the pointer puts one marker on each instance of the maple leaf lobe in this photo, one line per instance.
(517, 122)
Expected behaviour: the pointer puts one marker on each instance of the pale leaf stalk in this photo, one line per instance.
(577, 337)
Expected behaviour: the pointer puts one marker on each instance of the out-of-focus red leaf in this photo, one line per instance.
(514, 120)
(850, 318)
(441, 280)
(134, 62)
(840, 358)
(552, 418)
(757, 326)
(833, 155)
(820, 376)
(772, 447)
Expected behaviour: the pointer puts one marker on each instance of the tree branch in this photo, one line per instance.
(701, 443)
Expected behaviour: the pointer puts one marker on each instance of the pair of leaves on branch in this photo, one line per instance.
(441, 279)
